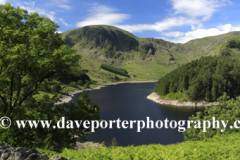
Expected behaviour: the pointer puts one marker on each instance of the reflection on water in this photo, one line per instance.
(128, 102)
(180, 110)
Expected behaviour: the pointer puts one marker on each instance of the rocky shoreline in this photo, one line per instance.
(156, 98)
(21, 153)
(87, 144)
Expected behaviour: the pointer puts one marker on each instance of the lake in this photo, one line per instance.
(128, 102)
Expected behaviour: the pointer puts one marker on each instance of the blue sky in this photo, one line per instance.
(174, 20)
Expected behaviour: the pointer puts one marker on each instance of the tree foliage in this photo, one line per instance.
(204, 79)
(49, 138)
(31, 54)
(226, 110)
(116, 70)
(233, 43)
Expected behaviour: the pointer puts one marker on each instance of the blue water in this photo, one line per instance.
(128, 102)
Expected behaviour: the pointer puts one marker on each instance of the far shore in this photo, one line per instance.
(156, 98)
(67, 98)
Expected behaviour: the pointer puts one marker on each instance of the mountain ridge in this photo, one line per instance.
(141, 57)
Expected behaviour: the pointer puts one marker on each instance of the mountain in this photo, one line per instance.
(143, 58)
(208, 45)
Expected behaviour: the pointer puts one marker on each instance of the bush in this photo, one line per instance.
(87, 84)
(93, 82)
(220, 147)
(56, 88)
(233, 43)
(80, 82)
(73, 84)
(114, 142)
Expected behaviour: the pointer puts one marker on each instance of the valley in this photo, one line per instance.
(144, 59)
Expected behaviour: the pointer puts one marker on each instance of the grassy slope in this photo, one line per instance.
(111, 45)
(233, 51)
(207, 46)
(143, 58)
(219, 147)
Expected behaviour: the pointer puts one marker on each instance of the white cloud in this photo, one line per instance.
(100, 14)
(160, 26)
(199, 26)
(64, 6)
(59, 3)
(97, 9)
(30, 7)
(58, 32)
(201, 10)
(189, 12)
(107, 19)
(64, 22)
(196, 8)
(173, 34)
(200, 33)
(3, 1)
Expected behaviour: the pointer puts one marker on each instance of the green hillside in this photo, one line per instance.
(143, 58)
(207, 46)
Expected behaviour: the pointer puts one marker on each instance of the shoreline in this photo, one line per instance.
(67, 98)
(156, 98)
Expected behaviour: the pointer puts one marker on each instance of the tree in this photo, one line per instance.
(114, 142)
(31, 52)
(87, 84)
(204, 79)
(208, 95)
(214, 93)
(226, 52)
(171, 87)
(193, 92)
(49, 138)
(93, 82)
(185, 83)
(56, 88)
(80, 82)
(226, 110)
